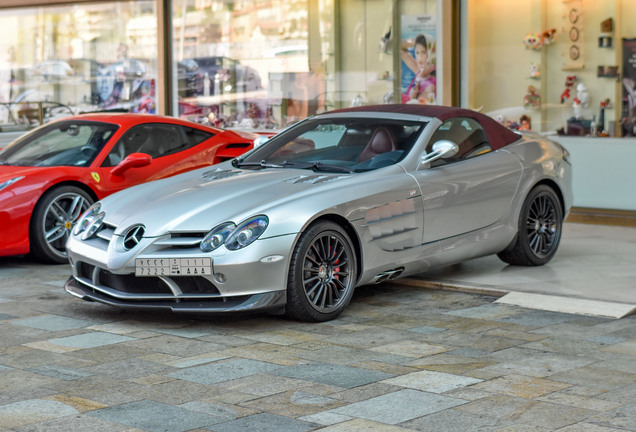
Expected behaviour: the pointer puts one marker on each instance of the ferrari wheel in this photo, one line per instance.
(539, 233)
(53, 218)
(322, 274)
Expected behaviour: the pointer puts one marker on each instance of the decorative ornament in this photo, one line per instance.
(569, 83)
(533, 41)
(532, 100)
(534, 71)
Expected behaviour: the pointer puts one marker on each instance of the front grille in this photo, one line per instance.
(131, 284)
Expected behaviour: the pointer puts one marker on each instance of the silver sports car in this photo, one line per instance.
(343, 199)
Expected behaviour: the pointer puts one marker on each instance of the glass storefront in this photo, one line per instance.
(266, 64)
(67, 59)
(565, 68)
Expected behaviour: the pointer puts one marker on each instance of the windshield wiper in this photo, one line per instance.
(262, 164)
(318, 166)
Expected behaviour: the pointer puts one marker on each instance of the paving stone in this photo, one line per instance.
(60, 372)
(399, 406)
(595, 377)
(52, 323)
(521, 386)
(265, 423)
(83, 341)
(410, 349)
(223, 371)
(426, 329)
(153, 416)
(293, 403)
(22, 413)
(332, 374)
(362, 425)
(430, 381)
(453, 420)
(538, 318)
(623, 417)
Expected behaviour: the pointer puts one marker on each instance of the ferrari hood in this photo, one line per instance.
(7, 172)
(200, 199)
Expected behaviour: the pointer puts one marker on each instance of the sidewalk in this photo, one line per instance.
(398, 359)
(594, 269)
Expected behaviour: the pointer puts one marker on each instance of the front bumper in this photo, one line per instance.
(250, 279)
(253, 303)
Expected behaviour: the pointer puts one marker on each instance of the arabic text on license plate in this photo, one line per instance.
(173, 266)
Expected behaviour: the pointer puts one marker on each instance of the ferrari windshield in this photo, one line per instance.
(64, 143)
(337, 145)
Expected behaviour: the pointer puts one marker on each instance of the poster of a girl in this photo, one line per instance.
(423, 87)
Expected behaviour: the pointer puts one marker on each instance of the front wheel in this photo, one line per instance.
(322, 274)
(539, 229)
(53, 218)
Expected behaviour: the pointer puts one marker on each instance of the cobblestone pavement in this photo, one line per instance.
(400, 358)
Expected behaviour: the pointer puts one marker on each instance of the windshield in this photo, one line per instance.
(64, 143)
(338, 145)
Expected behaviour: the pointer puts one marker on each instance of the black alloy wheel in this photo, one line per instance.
(322, 274)
(540, 227)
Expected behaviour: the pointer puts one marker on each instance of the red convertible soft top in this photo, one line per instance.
(498, 135)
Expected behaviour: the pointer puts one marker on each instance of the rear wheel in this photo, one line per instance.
(539, 233)
(322, 274)
(53, 218)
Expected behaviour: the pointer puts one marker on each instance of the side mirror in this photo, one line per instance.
(260, 141)
(441, 149)
(133, 160)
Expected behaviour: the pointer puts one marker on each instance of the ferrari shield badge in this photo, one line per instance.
(95, 176)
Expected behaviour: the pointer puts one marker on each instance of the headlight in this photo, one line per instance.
(247, 232)
(88, 218)
(10, 182)
(94, 226)
(217, 236)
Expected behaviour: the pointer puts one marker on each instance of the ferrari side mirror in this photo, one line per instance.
(133, 160)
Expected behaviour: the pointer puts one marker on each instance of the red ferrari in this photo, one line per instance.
(51, 175)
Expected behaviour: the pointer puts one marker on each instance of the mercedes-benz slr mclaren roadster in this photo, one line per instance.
(343, 199)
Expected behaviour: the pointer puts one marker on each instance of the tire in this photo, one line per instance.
(539, 229)
(52, 221)
(322, 274)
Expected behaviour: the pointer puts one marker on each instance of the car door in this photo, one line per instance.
(163, 142)
(469, 191)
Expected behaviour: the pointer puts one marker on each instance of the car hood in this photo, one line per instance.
(199, 200)
(7, 172)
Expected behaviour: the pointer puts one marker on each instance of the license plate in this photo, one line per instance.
(173, 266)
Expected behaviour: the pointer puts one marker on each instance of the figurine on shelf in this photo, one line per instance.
(534, 71)
(601, 117)
(578, 109)
(569, 83)
(548, 36)
(525, 123)
(533, 41)
(532, 100)
(583, 95)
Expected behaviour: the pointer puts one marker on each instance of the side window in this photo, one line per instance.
(155, 139)
(196, 136)
(467, 133)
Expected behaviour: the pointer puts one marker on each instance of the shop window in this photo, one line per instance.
(68, 59)
(560, 68)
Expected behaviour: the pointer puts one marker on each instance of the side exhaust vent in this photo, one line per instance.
(388, 275)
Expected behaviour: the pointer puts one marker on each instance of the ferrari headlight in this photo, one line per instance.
(217, 236)
(10, 182)
(87, 218)
(247, 232)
